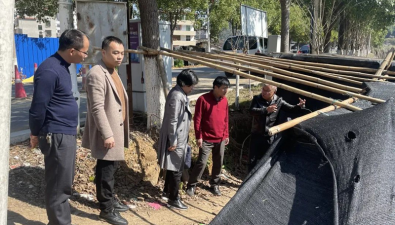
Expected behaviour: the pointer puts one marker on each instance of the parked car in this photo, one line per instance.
(294, 48)
(240, 44)
(304, 49)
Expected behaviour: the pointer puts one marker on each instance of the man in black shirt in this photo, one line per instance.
(265, 109)
(53, 118)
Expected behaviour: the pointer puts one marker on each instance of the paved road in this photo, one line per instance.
(20, 107)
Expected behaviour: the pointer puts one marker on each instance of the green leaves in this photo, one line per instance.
(40, 9)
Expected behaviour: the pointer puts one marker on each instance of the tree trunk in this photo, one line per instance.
(154, 84)
(285, 5)
(369, 40)
(315, 32)
(340, 45)
(327, 41)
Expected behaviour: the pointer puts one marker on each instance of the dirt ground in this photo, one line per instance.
(134, 187)
(136, 181)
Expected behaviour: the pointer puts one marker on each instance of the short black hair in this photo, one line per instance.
(221, 80)
(187, 78)
(71, 38)
(107, 41)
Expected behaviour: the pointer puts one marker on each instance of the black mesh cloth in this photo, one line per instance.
(337, 168)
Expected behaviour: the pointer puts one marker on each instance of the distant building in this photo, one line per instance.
(37, 29)
(184, 34)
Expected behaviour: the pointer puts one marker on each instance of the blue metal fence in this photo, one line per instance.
(34, 50)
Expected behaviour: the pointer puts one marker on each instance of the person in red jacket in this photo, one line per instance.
(211, 131)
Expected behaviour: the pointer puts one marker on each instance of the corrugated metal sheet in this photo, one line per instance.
(99, 20)
(34, 50)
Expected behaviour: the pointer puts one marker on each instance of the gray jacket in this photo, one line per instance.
(175, 130)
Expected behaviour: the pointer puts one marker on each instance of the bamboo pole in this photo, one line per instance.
(95, 48)
(274, 69)
(303, 69)
(322, 74)
(383, 64)
(278, 85)
(284, 126)
(388, 64)
(392, 58)
(307, 70)
(330, 66)
(358, 78)
(392, 73)
(323, 69)
(292, 79)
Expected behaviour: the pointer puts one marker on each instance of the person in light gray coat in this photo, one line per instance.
(106, 131)
(173, 140)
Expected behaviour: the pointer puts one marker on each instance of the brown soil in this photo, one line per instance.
(137, 182)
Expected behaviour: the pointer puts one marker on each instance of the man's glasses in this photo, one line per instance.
(82, 52)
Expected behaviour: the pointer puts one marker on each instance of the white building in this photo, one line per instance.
(37, 29)
(184, 34)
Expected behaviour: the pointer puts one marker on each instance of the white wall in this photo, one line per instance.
(138, 88)
(30, 27)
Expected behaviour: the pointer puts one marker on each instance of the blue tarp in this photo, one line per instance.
(34, 50)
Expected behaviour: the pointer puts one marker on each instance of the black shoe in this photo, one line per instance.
(113, 218)
(215, 190)
(191, 191)
(119, 207)
(165, 196)
(176, 204)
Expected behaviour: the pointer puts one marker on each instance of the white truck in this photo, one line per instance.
(254, 33)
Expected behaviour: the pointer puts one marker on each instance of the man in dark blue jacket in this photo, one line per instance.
(265, 109)
(53, 118)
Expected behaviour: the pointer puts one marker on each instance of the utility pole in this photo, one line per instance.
(65, 17)
(6, 70)
(208, 27)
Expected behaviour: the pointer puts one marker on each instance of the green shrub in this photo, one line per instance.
(178, 63)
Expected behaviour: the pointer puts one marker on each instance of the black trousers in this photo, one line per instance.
(104, 179)
(218, 150)
(258, 147)
(59, 158)
(172, 184)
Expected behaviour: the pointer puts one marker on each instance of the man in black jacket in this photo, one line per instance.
(265, 109)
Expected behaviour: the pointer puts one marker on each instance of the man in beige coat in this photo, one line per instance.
(107, 128)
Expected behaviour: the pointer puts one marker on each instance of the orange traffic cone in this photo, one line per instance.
(35, 68)
(19, 89)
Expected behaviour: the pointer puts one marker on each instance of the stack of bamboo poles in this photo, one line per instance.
(295, 72)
